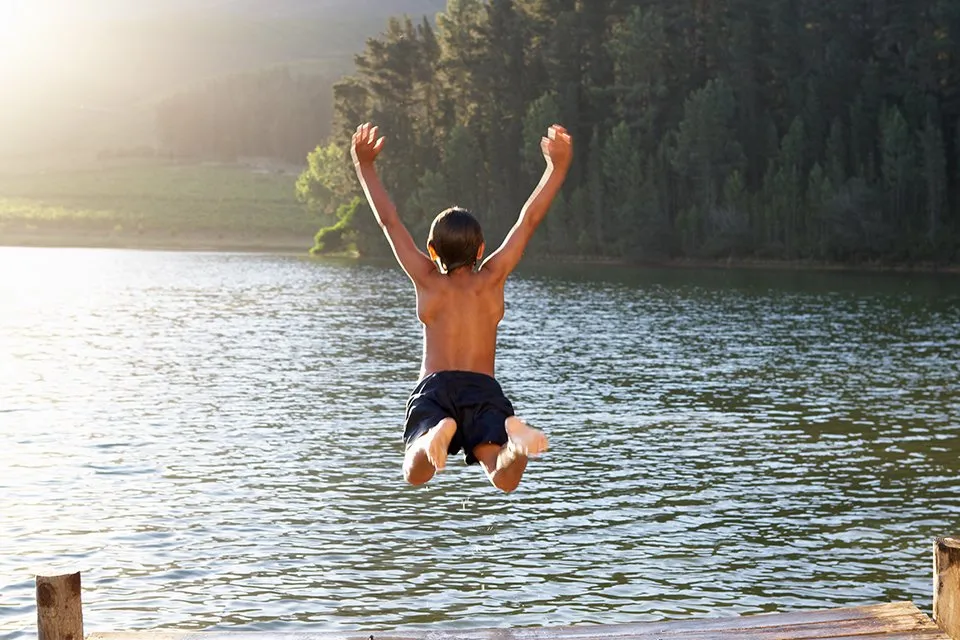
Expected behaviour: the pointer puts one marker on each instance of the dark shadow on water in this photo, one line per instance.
(750, 280)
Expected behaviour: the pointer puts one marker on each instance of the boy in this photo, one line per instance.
(458, 404)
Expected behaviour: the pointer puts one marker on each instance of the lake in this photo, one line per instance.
(214, 440)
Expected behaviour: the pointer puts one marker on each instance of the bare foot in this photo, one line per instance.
(435, 442)
(524, 439)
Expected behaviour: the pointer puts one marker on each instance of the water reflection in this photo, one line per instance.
(214, 440)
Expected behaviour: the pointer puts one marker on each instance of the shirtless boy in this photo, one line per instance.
(458, 405)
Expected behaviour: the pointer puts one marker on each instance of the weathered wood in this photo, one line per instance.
(59, 613)
(898, 621)
(946, 585)
(922, 634)
(824, 617)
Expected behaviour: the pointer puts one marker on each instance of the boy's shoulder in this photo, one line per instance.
(475, 281)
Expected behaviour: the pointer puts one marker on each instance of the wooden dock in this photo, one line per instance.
(897, 621)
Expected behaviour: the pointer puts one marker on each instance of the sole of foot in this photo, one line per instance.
(436, 442)
(525, 439)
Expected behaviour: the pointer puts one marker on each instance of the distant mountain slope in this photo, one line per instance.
(302, 8)
(92, 79)
(100, 10)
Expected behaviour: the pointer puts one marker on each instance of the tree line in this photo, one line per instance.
(787, 129)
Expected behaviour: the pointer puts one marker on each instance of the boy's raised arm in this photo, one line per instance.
(557, 149)
(365, 148)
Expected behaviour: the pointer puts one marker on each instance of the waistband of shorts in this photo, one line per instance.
(470, 376)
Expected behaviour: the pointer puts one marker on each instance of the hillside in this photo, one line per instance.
(76, 81)
(114, 9)
(156, 205)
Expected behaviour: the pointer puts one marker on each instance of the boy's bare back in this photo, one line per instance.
(460, 313)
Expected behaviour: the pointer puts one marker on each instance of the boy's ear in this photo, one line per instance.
(432, 252)
(483, 246)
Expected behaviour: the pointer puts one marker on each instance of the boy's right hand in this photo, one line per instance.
(366, 144)
(557, 148)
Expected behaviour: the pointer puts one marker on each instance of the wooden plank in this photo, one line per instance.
(825, 634)
(259, 635)
(930, 634)
(264, 635)
(845, 629)
(746, 634)
(906, 612)
(898, 621)
(946, 585)
(59, 614)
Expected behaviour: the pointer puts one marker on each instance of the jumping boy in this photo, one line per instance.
(458, 405)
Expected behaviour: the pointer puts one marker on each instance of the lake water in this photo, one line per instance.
(214, 440)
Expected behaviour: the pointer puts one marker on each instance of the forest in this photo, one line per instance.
(774, 129)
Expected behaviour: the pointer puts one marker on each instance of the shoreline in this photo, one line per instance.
(301, 246)
(187, 243)
(759, 264)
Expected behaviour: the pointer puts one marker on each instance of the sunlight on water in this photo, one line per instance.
(214, 440)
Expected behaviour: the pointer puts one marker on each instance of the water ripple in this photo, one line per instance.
(214, 440)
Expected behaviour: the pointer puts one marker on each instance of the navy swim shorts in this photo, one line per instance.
(474, 400)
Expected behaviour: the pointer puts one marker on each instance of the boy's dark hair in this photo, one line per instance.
(456, 237)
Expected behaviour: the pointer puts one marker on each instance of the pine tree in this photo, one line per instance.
(431, 196)
(541, 114)
(622, 184)
(935, 176)
(463, 170)
(595, 196)
(836, 154)
(500, 76)
(790, 186)
(352, 106)
(637, 47)
(898, 171)
(460, 42)
(705, 153)
(820, 193)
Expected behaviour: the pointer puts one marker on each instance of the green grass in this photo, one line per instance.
(155, 205)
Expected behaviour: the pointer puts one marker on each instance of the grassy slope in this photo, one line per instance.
(188, 206)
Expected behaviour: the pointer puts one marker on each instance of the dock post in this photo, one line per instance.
(59, 614)
(946, 585)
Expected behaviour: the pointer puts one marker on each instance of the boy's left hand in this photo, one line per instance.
(366, 144)
(557, 147)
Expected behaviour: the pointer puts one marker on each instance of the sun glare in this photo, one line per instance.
(20, 17)
(38, 50)
(29, 26)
